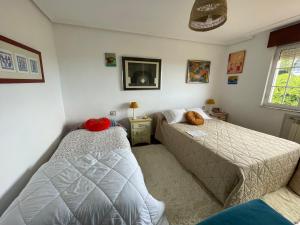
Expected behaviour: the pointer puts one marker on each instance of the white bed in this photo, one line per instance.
(93, 178)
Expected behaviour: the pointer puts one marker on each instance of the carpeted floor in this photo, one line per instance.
(187, 202)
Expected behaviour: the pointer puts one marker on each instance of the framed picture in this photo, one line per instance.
(19, 63)
(110, 60)
(198, 71)
(141, 73)
(233, 79)
(236, 62)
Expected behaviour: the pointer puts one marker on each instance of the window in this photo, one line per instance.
(283, 87)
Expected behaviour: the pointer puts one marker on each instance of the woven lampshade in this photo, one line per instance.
(208, 14)
(210, 101)
(133, 105)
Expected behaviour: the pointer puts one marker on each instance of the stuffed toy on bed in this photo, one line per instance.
(97, 124)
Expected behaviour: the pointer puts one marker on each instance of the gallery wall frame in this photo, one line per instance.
(141, 73)
(236, 61)
(198, 71)
(19, 63)
(110, 59)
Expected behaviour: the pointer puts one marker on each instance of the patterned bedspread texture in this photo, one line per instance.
(96, 187)
(83, 141)
(236, 164)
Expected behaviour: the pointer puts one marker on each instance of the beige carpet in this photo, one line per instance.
(187, 203)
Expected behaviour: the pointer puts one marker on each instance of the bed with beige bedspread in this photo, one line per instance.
(236, 164)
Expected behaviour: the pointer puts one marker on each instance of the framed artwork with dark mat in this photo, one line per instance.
(141, 73)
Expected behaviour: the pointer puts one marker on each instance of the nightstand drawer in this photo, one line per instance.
(140, 126)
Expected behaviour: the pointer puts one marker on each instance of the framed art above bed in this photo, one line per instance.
(141, 73)
(19, 63)
(198, 71)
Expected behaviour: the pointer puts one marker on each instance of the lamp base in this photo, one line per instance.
(133, 115)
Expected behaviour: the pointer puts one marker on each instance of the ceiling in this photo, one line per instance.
(169, 18)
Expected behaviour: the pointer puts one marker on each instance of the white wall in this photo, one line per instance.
(242, 101)
(31, 115)
(91, 90)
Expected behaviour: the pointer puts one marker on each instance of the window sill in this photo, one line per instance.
(279, 108)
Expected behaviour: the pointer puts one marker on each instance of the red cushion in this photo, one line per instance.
(97, 124)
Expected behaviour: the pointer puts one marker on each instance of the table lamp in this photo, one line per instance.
(210, 102)
(133, 106)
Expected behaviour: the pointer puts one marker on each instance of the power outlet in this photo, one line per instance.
(113, 113)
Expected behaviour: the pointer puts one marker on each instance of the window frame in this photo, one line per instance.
(270, 80)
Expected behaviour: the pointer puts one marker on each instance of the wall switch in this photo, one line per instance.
(113, 113)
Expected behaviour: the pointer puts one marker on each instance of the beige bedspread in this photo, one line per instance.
(236, 164)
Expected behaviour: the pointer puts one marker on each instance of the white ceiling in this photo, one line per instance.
(169, 18)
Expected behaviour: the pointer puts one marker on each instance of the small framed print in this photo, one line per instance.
(6, 61)
(110, 60)
(19, 63)
(233, 80)
(22, 63)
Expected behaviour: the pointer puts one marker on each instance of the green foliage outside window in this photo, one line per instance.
(288, 96)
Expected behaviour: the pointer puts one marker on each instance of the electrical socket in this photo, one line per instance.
(113, 113)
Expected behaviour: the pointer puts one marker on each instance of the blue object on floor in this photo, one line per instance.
(255, 212)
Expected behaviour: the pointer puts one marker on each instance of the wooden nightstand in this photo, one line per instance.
(220, 115)
(140, 130)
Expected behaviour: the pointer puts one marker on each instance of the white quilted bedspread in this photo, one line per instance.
(96, 188)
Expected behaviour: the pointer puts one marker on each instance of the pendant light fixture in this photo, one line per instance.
(208, 14)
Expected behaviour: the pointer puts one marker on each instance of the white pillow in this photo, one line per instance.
(175, 115)
(201, 112)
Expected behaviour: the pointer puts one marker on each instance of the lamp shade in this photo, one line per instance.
(133, 105)
(208, 14)
(210, 101)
